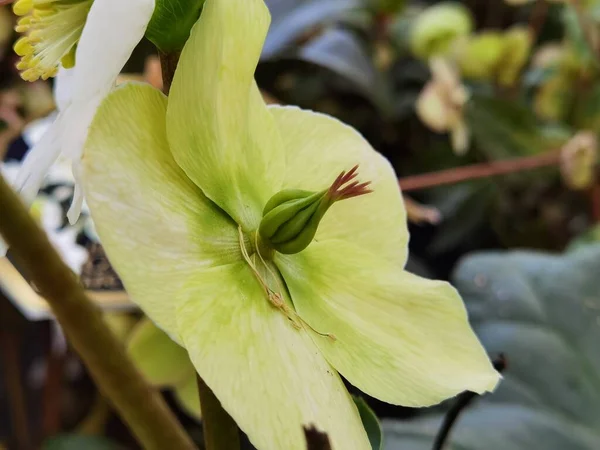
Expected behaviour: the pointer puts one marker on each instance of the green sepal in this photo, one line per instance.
(171, 23)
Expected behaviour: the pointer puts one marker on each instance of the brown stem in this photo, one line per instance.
(53, 386)
(220, 430)
(168, 64)
(140, 406)
(475, 171)
(10, 345)
(538, 19)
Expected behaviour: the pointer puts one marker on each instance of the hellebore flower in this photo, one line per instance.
(98, 38)
(177, 189)
(441, 104)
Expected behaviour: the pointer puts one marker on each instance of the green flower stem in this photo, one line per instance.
(220, 430)
(140, 406)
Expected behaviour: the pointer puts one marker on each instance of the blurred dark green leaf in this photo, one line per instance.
(370, 422)
(291, 19)
(576, 36)
(543, 312)
(464, 209)
(503, 128)
(80, 442)
(342, 52)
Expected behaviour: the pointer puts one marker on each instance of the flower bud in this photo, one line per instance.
(291, 217)
(437, 27)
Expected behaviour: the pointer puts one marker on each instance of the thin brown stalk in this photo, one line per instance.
(476, 171)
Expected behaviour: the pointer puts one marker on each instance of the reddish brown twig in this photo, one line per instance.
(5, 2)
(476, 171)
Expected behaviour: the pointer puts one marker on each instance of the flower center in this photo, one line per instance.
(52, 29)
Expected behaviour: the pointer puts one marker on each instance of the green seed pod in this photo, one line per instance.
(292, 216)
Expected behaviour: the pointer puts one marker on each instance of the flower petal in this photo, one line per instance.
(318, 147)
(156, 225)
(157, 357)
(219, 129)
(269, 376)
(400, 338)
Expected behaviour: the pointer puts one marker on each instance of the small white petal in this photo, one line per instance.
(77, 203)
(112, 31)
(63, 87)
(36, 129)
(37, 162)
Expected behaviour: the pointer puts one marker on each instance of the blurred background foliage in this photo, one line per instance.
(436, 86)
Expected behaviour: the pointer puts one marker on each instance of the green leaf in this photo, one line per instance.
(170, 26)
(370, 422)
(503, 128)
(80, 442)
(543, 312)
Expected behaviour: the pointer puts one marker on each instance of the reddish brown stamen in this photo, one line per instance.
(346, 186)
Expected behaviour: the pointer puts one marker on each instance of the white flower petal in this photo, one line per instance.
(63, 87)
(112, 30)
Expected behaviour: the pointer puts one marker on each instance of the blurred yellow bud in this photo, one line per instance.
(578, 160)
(437, 27)
(441, 103)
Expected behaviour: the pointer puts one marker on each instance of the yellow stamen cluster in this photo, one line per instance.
(51, 31)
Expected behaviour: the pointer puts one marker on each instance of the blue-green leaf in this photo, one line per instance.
(543, 312)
